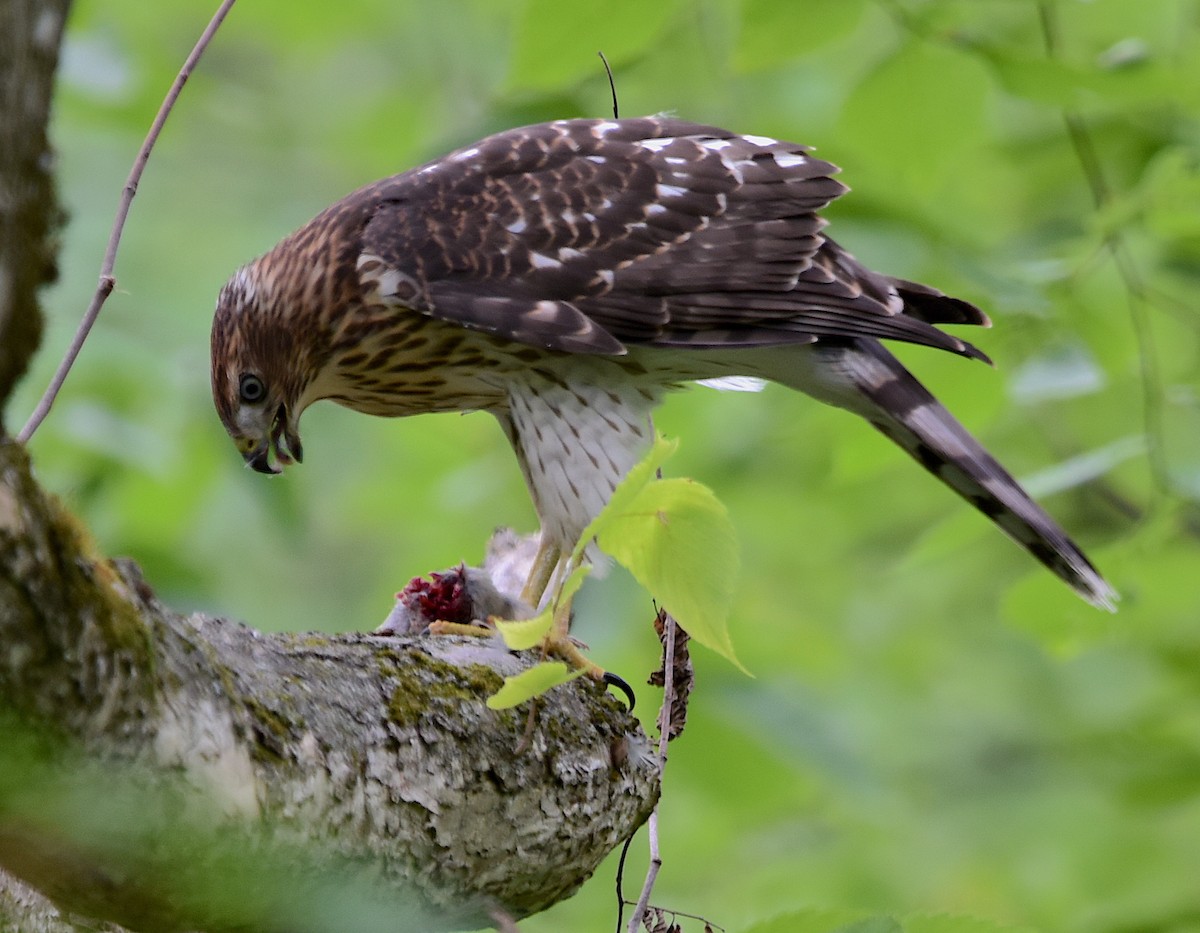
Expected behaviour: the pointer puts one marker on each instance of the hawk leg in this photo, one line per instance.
(541, 572)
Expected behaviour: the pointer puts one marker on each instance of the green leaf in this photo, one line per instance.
(811, 920)
(627, 491)
(676, 539)
(951, 923)
(822, 920)
(1084, 468)
(1062, 84)
(557, 42)
(522, 634)
(932, 93)
(778, 31)
(531, 683)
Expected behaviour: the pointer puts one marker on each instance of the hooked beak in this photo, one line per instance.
(259, 459)
(283, 441)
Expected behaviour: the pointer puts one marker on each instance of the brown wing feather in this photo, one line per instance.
(584, 235)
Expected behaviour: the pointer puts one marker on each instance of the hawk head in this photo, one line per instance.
(257, 386)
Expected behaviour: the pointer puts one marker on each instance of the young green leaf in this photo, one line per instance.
(676, 538)
(627, 490)
(531, 683)
(520, 634)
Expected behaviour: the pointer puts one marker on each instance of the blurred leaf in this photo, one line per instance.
(1083, 468)
(556, 43)
(1043, 607)
(949, 923)
(1171, 189)
(812, 920)
(1063, 372)
(925, 104)
(1052, 81)
(523, 634)
(779, 31)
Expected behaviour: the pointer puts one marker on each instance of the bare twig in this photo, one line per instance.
(107, 280)
(651, 873)
(681, 672)
(664, 920)
(664, 736)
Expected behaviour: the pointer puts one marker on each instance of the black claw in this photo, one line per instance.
(621, 684)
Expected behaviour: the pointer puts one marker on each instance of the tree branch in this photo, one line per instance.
(308, 754)
(30, 31)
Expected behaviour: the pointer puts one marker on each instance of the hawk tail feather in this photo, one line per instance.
(902, 409)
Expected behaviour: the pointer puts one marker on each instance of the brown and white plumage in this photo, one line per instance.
(562, 277)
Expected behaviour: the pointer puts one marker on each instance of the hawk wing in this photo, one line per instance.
(586, 235)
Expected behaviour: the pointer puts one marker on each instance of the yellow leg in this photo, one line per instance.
(540, 573)
(442, 627)
(558, 642)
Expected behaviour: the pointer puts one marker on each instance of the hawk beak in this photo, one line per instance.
(259, 459)
(285, 439)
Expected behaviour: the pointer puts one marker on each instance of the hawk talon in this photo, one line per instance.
(613, 680)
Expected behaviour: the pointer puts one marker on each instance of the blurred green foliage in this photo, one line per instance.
(936, 723)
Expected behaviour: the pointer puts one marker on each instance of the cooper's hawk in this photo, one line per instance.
(562, 277)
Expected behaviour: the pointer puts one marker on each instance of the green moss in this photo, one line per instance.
(424, 683)
(119, 620)
(268, 717)
(304, 639)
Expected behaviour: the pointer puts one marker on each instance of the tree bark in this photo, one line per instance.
(169, 772)
(30, 33)
(316, 753)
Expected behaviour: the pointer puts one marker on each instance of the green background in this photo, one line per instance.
(936, 724)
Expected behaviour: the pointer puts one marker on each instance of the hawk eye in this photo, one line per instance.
(251, 389)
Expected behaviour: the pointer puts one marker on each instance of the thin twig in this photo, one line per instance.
(621, 902)
(651, 873)
(664, 735)
(107, 280)
(664, 714)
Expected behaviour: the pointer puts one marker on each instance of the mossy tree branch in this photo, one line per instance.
(314, 752)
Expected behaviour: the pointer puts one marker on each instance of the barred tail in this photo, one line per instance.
(888, 396)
